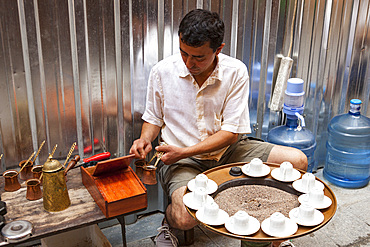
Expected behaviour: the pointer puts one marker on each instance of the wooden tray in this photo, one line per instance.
(222, 177)
(115, 193)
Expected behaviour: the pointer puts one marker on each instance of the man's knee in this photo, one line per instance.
(279, 154)
(184, 221)
(176, 212)
(301, 160)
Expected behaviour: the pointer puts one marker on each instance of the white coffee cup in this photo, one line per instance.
(277, 222)
(240, 220)
(316, 195)
(255, 166)
(211, 210)
(286, 170)
(308, 181)
(201, 180)
(305, 212)
(200, 196)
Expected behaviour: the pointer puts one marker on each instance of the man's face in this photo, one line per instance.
(199, 60)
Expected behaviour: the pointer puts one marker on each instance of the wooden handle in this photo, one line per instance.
(72, 163)
(38, 152)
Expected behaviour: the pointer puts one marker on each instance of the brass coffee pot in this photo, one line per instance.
(55, 192)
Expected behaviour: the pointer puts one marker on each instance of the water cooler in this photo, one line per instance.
(348, 149)
(294, 133)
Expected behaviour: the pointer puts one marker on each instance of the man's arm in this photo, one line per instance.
(142, 146)
(215, 142)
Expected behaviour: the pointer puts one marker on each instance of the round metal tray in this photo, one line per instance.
(224, 180)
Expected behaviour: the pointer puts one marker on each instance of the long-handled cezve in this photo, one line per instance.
(29, 159)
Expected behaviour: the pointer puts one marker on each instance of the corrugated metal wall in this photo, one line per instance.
(76, 70)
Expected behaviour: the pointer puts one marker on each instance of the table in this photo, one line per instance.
(82, 212)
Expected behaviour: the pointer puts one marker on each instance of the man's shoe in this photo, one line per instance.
(165, 236)
(287, 244)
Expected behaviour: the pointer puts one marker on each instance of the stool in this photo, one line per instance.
(189, 237)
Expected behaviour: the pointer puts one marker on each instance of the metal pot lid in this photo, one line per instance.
(51, 165)
(17, 229)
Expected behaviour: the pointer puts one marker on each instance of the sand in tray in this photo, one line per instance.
(259, 201)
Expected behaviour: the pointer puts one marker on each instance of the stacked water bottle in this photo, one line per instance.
(348, 149)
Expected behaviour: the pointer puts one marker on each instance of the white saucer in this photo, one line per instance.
(297, 185)
(253, 226)
(211, 186)
(192, 203)
(290, 228)
(275, 173)
(265, 171)
(318, 205)
(318, 218)
(220, 219)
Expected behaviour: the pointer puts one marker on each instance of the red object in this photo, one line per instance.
(88, 149)
(97, 157)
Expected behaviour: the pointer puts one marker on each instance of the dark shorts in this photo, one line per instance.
(177, 175)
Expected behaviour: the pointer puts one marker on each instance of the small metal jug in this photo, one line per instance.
(55, 192)
(33, 189)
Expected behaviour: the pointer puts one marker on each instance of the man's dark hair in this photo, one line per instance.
(200, 26)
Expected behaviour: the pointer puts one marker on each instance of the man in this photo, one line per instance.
(198, 101)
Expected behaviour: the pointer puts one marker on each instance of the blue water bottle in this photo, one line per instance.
(348, 149)
(293, 133)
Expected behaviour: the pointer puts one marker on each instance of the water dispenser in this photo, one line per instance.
(293, 133)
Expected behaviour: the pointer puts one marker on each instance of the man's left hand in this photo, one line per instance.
(171, 155)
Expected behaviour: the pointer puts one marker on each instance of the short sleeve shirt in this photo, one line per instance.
(187, 113)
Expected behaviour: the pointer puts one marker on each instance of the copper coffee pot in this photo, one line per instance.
(11, 177)
(148, 176)
(26, 172)
(26, 166)
(11, 180)
(36, 172)
(34, 184)
(33, 189)
(139, 167)
(149, 171)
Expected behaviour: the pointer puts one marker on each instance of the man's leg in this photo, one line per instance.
(174, 179)
(248, 148)
(279, 154)
(176, 214)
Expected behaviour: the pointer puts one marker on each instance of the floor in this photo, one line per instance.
(350, 226)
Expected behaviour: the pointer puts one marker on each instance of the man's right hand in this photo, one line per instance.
(141, 148)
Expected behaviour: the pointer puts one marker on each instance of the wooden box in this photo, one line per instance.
(116, 193)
